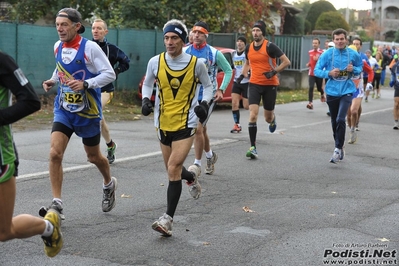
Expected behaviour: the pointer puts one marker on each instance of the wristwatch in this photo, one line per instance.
(85, 85)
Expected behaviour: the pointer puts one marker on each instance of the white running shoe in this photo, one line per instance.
(352, 137)
(194, 187)
(210, 163)
(336, 157)
(163, 225)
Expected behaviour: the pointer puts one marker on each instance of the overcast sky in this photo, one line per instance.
(338, 4)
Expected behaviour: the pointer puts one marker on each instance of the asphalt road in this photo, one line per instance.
(303, 209)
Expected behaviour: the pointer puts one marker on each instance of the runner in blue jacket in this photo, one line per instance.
(338, 65)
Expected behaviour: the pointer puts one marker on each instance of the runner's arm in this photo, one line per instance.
(284, 63)
(321, 69)
(275, 52)
(150, 75)
(225, 66)
(123, 62)
(99, 61)
(246, 67)
(12, 78)
(357, 64)
(367, 68)
(202, 74)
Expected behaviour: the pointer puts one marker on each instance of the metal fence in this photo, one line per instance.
(32, 47)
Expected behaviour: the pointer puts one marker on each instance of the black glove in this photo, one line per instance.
(116, 70)
(270, 74)
(201, 111)
(146, 106)
(239, 79)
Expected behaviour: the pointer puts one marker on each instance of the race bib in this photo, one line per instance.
(73, 101)
(342, 76)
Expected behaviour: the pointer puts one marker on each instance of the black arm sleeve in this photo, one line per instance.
(13, 79)
(274, 51)
(118, 56)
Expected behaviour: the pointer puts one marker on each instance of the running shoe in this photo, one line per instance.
(310, 106)
(273, 125)
(396, 126)
(357, 128)
(109, 202)
(210, 164)
(55, 206)
(251, 153)
(372, 95)
(163, 225)
(352, 137)
(53, 243)
(236, 129)
(336, 157)
(366, 100)
(111, 153)
(194, 187)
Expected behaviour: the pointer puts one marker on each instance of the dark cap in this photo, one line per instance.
(261, 25)
(73, 15)
(202, 24)
(243, 39)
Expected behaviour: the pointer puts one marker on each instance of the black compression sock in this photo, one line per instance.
(186, 175)
(173, 196)
(110, 144)
(236, 116)
(252, 129)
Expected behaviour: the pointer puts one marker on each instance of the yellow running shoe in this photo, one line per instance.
(53, 243)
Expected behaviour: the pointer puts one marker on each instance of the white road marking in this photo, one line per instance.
(131, 158)
(219, 142)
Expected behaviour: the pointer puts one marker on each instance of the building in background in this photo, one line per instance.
(386, 16)
(278, 16)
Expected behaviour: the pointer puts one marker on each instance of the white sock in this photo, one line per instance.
(59, 201)
(109, 185)
(48, 231)
(209, 154)
(196, 161)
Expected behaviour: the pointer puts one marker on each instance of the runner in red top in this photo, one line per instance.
(314, 55)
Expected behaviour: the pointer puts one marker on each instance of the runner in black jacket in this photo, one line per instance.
(120, 62)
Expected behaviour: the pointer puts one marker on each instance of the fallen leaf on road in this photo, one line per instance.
(247, 209)
(126, 196)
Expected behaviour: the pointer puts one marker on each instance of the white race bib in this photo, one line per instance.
(73, 101)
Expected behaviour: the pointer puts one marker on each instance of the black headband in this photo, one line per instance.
(179, 30)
